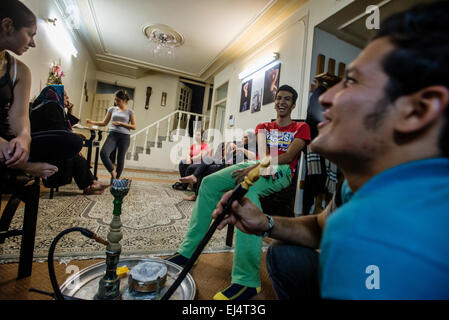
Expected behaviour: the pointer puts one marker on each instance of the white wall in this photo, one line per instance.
(39, 59)
(332, 47)
(289, 43)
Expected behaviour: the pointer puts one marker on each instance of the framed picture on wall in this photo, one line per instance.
(256, 94)
(164, 99)
(245, 97)
(271, 84)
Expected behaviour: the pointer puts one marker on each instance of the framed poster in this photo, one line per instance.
(271, 84)
(256, 95)
(245, 97)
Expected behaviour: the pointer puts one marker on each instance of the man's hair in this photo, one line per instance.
(20, 15)
(421, 57)
(289, 89)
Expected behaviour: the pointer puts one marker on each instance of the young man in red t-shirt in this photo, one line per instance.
(285, 139)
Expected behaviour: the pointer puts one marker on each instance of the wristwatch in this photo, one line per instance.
(270, 226)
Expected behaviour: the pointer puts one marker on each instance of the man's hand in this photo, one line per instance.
(244, 214)
(238, 175)
(18, 152)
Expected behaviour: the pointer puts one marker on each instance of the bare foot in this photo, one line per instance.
(96, 185)
(113, 176)
(90, 190)
(189, 179)
(39, 169)
(190, 198)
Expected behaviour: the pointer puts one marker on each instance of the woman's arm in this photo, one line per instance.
(19, 122)
(103, 123)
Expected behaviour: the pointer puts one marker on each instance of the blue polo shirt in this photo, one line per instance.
(391, 240)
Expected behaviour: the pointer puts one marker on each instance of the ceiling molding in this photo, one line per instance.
(264, 28)
(361, 15)
(97, 27)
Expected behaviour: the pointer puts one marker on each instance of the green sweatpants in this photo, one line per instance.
(248, 248)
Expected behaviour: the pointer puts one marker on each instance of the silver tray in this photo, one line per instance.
(84, 284)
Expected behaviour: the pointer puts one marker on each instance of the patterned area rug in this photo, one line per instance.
(154, 216)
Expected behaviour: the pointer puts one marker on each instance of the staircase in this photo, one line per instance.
(162, 144)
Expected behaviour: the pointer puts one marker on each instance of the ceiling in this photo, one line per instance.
(349, 24)
(214, 31)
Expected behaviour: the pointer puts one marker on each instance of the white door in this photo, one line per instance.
(220, 117)
(102, 103)
(184, 103)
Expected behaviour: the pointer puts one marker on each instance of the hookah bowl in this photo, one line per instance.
(109, 286)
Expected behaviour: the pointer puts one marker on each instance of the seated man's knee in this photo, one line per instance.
(206, 181)
(279, 253)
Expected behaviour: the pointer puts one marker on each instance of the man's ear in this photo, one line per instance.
(421, 108)
(7, 26)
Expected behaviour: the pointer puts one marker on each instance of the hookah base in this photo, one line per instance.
(84, 284)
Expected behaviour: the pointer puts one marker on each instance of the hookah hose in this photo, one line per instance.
(239, 191)
(51, 270)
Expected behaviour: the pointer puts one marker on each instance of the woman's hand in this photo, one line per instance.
(117, 123)
(18, 151)
(4, 146)
(88, 121)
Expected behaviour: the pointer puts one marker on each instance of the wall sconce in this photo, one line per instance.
(60, 37)
(259, 65)
(52, 21)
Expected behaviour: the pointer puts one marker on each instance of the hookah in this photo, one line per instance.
(109, 284)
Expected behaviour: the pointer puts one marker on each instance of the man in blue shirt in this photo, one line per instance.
(387, 127)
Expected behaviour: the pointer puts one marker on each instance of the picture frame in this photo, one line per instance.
(245, 96)
(271, 84)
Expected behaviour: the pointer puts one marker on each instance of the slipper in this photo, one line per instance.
(178, 186)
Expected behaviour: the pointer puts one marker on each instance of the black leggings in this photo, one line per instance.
(119, 141)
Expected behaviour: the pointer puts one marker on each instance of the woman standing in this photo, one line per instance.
(123, 120)
(17, 30)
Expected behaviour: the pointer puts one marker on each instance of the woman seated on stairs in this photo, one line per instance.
(199, 150)
(232, 154)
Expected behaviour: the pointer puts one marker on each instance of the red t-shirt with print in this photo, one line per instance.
(195, 149)
(282, 137)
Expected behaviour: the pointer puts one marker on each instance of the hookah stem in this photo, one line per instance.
(51, 268)
(238, 192)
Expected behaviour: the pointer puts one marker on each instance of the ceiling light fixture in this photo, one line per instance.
(259, 65)
(165, 39)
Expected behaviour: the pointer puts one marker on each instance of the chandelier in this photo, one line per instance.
(164, 38)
